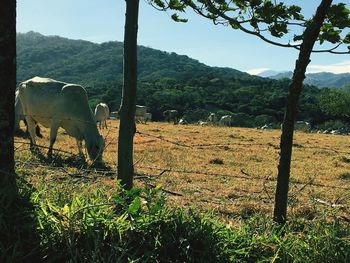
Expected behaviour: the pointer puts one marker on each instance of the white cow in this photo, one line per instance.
(267, 126)
(225, 120)
(171, 115)
(302, 126)
(212, 118)
(57, 104)
(183, 121)
(19, 116)
(114, 115)
(202, 123)
(140, 114)
(101, 114)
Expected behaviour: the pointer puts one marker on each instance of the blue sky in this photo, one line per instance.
(214, 45)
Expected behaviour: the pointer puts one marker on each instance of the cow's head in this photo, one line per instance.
(95, 149)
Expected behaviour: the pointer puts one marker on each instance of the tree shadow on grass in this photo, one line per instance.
(19, 239)
(72, 161)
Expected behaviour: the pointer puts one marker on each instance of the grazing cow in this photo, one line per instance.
(140, 114)
(101, 114)
(302, 126)
(212, 118)
(202, 123)
(266, 127)
(335, 132)
(225, 120)
(183, 121)
(148, 117)
(19, 116)
(171, 115)
(57, 104)
(341, 131)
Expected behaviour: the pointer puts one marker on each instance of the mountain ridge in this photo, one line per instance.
(166, 80)
(320, 79)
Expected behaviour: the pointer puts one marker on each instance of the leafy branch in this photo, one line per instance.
(271, 21)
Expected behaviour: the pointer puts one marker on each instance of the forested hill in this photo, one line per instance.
(166, 80)
(321, 80)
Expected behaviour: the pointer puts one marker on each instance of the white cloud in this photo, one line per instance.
(256, 71)
(342, 67)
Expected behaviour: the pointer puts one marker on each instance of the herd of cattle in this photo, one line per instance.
(55, 104)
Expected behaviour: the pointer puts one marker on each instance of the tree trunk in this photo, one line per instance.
(7, 88)
(310, 36)
(127, 127)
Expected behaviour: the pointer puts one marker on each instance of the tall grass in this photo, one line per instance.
(138, 226)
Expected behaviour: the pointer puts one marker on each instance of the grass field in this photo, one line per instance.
(226, 169)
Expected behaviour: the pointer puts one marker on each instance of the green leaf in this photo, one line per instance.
(135, 206)
(176, 18)
(159, 3)
(297, 38)
(66, 209)
(346, 39)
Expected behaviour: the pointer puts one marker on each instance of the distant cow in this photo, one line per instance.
(225, 120)
(148, 117)
(203, 123)
(114, 115)
(212, 118)
(183, 121)
(341, 131)
(171, 115)
(101, 115)
(266, 127)
(302, 126)
(57, 104)
(140, 114)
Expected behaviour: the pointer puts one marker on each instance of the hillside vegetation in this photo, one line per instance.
(166, 80)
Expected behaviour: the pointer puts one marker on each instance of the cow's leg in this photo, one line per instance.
(80, 148)
(31, 129)
(53, 135)
(37, 131)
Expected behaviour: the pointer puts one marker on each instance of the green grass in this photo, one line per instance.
(73, 213)
(138, 226)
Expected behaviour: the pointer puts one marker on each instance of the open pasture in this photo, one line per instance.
(229, 170)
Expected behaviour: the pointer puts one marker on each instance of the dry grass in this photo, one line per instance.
(230, 170)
